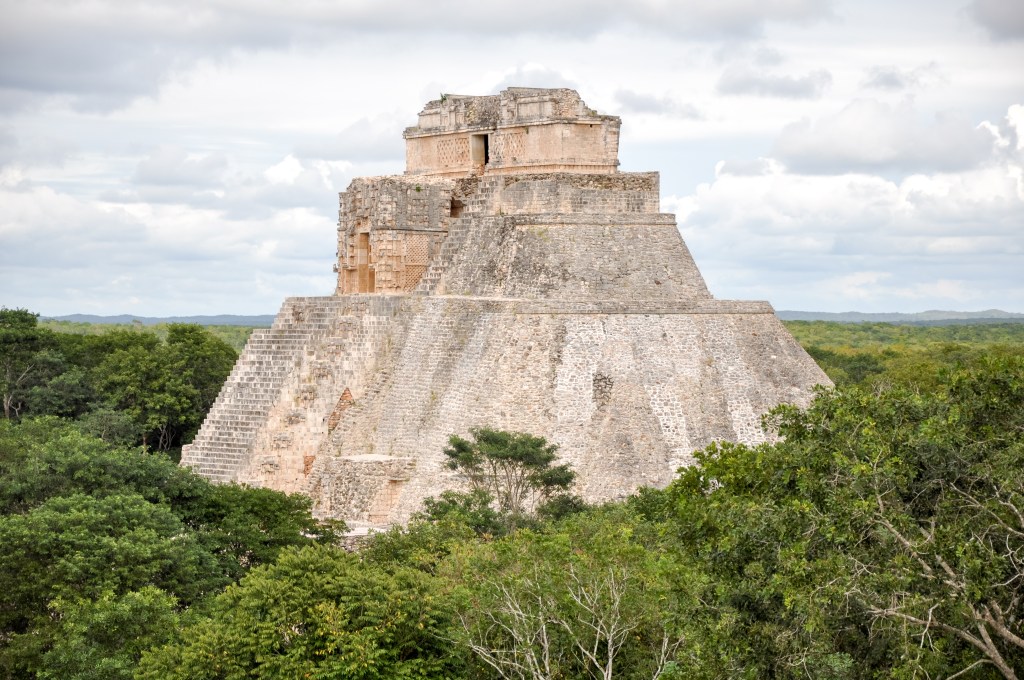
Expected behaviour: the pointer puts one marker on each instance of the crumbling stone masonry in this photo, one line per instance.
(511, 278)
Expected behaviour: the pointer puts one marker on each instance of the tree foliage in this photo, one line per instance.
(881, 335)
(590, 598)
(317, 612)
(24, 357)
(512, 478)
(167, 388)
(104, 638)
(234, 336)
(128, 384)
(879, 354)
(86, 528)
(882, 535)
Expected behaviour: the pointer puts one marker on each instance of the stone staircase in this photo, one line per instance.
(458, 230)
(224, 443)
(479, 205)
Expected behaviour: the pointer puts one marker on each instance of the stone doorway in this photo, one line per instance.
(480, 149)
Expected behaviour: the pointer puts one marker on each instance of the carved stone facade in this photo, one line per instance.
(520, 130)
(389, 231)
(561, 303)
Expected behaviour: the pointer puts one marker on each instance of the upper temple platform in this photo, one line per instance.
(520, 130)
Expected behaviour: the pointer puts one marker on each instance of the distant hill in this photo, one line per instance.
(257, 321)
(933, 317)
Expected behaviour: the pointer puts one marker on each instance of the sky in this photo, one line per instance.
(179, 157)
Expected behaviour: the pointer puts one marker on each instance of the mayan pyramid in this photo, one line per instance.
(511, 278)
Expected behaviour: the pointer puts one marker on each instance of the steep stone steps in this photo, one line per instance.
(225, 440)
(458, 230)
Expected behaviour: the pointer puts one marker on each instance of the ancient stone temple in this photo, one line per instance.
(512, 278)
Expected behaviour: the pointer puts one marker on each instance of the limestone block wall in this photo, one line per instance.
(529, 104)
(399, 258)
(520, 295)
(364, 489)
(392, 231)
(554, 147)
(627, 396)
(442, 155)
(351, 398)
(574, 193)
(396, 202)
(565, 201)
(455, 112)
(529, 286)
(514, 105)
(574, 257)
(559, 192)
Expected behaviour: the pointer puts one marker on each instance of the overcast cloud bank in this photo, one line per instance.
(184, 158)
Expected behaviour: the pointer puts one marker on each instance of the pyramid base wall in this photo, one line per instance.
(360, 414)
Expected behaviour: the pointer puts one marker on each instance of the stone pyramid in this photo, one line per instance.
(511, 278)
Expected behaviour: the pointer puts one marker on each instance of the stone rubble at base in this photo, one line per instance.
(512, 278)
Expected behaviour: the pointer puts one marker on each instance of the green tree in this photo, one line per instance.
(151, 389)
(316, 612)
(23, 357)
(205, 362)
(948, 513)
(593, 597)
(104, 638)
(882, 536)
(421, 544)
(46, 458)
(473, 509)
(244, 527)
(112, 426)
(84, 525)
(67, 393)
(80, 547)
(513, 471)
(166, 388)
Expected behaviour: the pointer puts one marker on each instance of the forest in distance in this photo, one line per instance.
(882, 536)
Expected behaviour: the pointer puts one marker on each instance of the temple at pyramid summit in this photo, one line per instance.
(511, 278)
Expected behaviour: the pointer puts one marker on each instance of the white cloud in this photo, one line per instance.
(1003, 19)
(364, 140)
(33, 150)
(106, 53)
(1015, 117)
(869, 135)
(855, 241)
(743, 80)
(857, 286)
(285, 172)
(896, 79)
(758, 166)
(62, 255)
(215, 184)
(664, 105)
(871, 287)
(173, 166)
(1009, 133)
(192, 152)
(532, 75)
